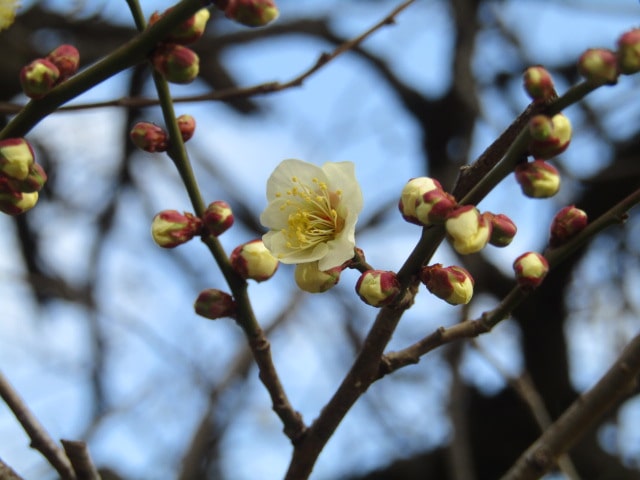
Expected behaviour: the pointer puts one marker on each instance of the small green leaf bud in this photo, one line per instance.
(252, 260)
(378, 287)
(213, 304)
(38, 78)
(538, 179)
(171, 228)
(452, 284)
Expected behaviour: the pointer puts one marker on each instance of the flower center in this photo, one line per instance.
(313, 218)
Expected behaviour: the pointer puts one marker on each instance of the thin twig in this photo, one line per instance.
(7, 473)
(583, 413)
(40, 439)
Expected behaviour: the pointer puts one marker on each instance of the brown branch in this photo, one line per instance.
(617, 383)
(40, 439)
(80, 460)
(7, 473)
(236, 92)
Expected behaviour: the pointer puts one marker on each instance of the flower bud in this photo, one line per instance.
(67, 59)
(213, 304)
(452, 284)
(530, 269)
(253, 260)
(218, 217)
(149, 137)
(187, 126)
(502, 229)
(538, 84)
(38, 78)
(188, 31)
(16, 158)
(378, 287)
(171, 228)
(467, 230)
(252, 13)
(424, 202)
(629, 52)
(538, 179)
(34, 181)
(15, 203)
(313, 280)
(567, 223)
(599, 66)
(549, 140)
(176, 63)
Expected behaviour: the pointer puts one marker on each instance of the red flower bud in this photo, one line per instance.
(67, 59)
(378, 287)
(214, 304)
(567, 223)
(176, 63)
(38, 78)
(149, 137)
(15, 203)
(538, 179)
(599, 66)
(503, 229)
(171, 228)
(550, 137)
(629, 52)
(253, 260)
(16, 158)
(538, 84)
(313, 280)
(251, 13)
(530, 269)
(187, 126)
(424, 202)
(218, 217)
(452, 284)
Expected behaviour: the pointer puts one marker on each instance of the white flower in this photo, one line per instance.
(312, 213)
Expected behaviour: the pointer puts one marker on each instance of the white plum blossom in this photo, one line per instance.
(312, 213)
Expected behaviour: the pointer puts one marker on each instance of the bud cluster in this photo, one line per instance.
(176, 62)
(423, 201)
(41, 75)
(152, 138)
(550, 136)
(21, 178)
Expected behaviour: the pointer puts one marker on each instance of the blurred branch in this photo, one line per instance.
(241, 92)
(526, 390)
(7, 473)
(40, 439)
(80, 459)
(583, 413)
